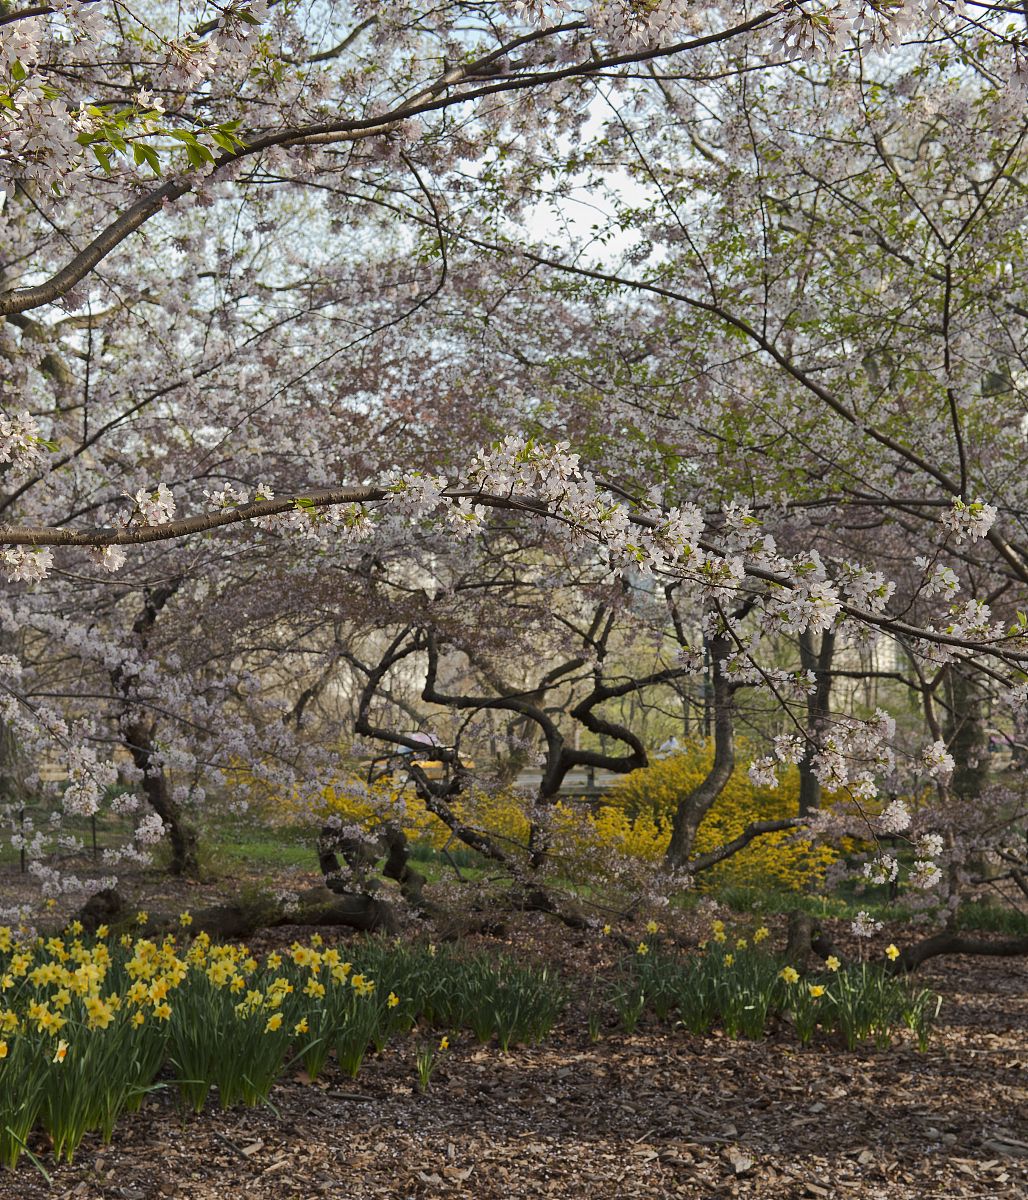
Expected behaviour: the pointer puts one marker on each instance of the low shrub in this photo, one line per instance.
(637, 815)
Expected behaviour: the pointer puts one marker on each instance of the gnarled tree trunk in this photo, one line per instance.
(182, 836)
(693, 808)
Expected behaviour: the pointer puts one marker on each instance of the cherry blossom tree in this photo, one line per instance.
(273, 300)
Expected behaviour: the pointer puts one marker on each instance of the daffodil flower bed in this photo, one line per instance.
(735, 983)
(89, 1025)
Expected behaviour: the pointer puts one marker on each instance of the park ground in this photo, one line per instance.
(658, 1113)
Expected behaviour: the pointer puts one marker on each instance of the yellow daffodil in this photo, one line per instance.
(892, 952)
(832, 963)
(789, 974)
(274, 1022)
(100, 1014)
(642, 948)
(817, 991)
(61, 1052)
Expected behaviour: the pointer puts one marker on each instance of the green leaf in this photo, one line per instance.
(141, 152)
(103, 157)
(226, 142)
(198, 155)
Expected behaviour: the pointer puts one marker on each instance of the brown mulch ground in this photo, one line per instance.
(656, 1114)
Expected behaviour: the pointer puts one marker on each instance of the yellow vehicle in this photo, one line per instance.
(400, 763)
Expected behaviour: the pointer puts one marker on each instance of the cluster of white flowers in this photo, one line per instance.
(869, 590)
(227, 497)
(971, 519)
(464, 517)
(763, 772)
(811, 603)
(88, 776)
(937, 761)
(108, 558)
(691, 659)
(150, 830)
(26, 564)
(856, 754)
(21, 443)
(883, 869)
(416, 494)
(939, 579)
(628, 25)
(895, 818)
(789, 748)
(151, 508)
(928, 845)
(864, 925)
(924, 874)
(973, 620)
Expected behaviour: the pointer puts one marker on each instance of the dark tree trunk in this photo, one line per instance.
(965, 736)
(817, 659)
(694, 807)
(182, 836)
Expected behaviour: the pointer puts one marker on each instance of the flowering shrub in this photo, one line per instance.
(637, 813)
(368, 804)
(499, 814)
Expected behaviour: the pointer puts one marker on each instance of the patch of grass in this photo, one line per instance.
(229, 847)
(990, 917)
(985, 915)
(463, 856)
(758, 900)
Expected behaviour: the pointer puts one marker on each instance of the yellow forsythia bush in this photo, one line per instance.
(500, 815)
(637, 814)
(367, 804)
